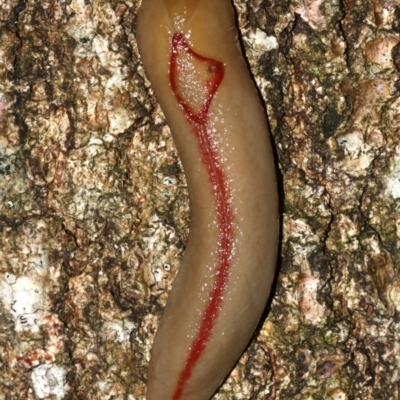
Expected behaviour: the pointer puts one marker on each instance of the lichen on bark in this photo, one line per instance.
(94, 207)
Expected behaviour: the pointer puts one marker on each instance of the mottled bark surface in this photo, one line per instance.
(94, 207)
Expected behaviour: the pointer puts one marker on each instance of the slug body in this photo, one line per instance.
(191, 55)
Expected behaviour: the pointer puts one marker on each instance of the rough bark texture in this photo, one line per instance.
(94, 211)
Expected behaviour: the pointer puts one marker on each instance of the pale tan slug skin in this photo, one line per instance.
(243, 146)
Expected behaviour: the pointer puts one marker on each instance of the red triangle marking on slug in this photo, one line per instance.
(191, 72)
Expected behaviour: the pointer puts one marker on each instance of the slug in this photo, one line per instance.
(191, 54)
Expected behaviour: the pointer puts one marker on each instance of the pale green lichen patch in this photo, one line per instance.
(393, 178)
(30, 271)
(49, 380)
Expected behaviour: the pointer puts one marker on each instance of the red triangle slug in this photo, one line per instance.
(191, 55)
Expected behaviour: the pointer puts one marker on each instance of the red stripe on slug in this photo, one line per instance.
(199, 120)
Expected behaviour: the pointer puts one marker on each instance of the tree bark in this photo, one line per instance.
(94, 208)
